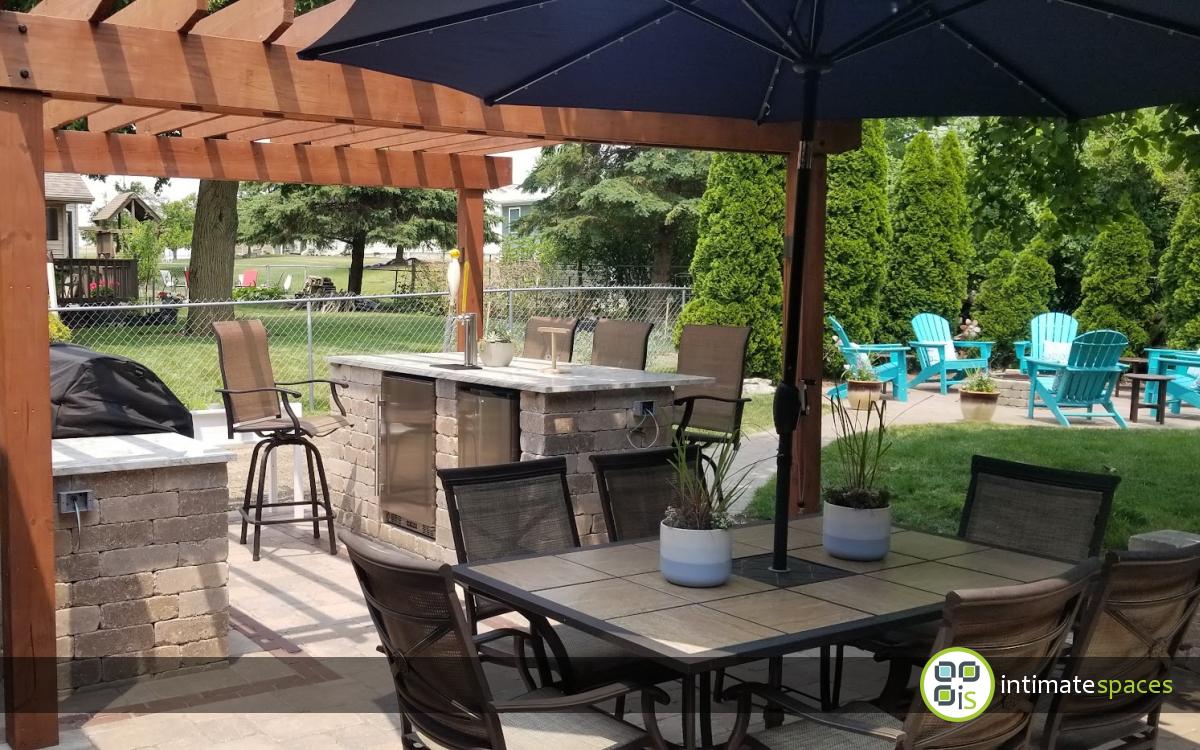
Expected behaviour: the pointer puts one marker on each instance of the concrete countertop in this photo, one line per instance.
(522, 374)
(95, 455)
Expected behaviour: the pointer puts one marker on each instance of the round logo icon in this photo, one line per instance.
(957, 684)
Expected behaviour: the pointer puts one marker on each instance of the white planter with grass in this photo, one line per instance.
(857, 522)
(698, 558)
(496, 353)
(857, 533)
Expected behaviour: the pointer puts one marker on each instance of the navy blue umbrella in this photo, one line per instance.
(788, 60)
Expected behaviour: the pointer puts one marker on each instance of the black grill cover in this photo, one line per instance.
(94, 394)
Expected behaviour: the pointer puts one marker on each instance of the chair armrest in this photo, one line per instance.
(499, 633)
(577, 700)
(1044, 365)
(689, 399)
(241, 391)
(689, 403)
(972, 343)
(333, 386)
(929, 344)
(776, 697)
(284, 393)
(880, 348)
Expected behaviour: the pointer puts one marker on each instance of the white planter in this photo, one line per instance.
(978, 406)
(496, 353)
(862, 393)
(857, 534)
(699, 559)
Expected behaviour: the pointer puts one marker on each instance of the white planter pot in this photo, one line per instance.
(496, 353)
(857, 534)
(699, 559)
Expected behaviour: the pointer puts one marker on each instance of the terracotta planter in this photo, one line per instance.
(496, 353)
(978, 406)
(857, 533)
(695, 558)
(861, 393)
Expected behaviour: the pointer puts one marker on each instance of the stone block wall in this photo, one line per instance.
(1013, 388)
(141, 582)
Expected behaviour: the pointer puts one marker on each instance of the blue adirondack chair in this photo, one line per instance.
(1086, 380)
(893, 370)
(937, 353)
(1184, 368)
(1050, 337)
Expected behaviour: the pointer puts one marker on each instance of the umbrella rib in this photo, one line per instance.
(1008, 68)
(780, 34)
(365, 40)
(765, 108)
(580, 55)
(723, 25)
(1146, 19)
(898, 30)
(882, 27)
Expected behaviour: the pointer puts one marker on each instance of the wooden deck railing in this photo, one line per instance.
(97, 280)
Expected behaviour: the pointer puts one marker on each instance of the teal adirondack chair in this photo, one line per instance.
(1184, 368)
(1086, 380)
(893, 370)
(937, 353)
(1050, 337)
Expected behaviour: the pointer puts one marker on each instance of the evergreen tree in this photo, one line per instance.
(1180, 275)
(1116, 279)
(1018, 287)
(858, 235)
(737, 266)
(962, 250)
(924, 273)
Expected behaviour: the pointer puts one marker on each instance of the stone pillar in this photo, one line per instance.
(1169, 540)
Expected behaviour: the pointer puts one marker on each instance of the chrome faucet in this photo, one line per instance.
(470, 338)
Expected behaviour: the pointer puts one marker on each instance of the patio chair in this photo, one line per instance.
(168, 279)
(1130, 630)
(524, 508)
(1086, 380)
(621, 343)
(937, 353)
(1024, 627)
(537, 344)
(287, 283)
(712, 413)
(443, 694)
(1184, 368)
(636, 487)
(894, 371)
(1050, 337)
(256, 403)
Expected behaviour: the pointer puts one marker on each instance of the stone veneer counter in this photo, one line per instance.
(582, 411)
(141, 580)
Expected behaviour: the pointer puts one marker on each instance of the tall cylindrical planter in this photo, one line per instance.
(695, 558)
(857, 533)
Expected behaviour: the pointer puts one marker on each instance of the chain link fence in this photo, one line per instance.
(174, 340)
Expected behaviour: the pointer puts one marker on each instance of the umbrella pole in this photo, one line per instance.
(790, 399)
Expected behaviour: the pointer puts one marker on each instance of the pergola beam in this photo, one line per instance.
(261, 21)
(101, 153)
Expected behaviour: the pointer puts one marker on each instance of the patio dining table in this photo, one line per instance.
(616, 592)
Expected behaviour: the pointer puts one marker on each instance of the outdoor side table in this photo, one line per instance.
(616, 592)
(1137, 365)
(1135, 395)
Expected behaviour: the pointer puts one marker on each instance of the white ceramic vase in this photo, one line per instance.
(695, 558)
(496, 353)
(856, 533)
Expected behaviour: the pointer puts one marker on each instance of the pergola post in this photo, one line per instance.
(26, 484)
(470, 241)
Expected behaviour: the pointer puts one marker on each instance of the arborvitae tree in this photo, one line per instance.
(962, 251)
(1116, 279)
(1018, 287)
(737, 267)
(858, 235)
(1180, 274)
(924, 274)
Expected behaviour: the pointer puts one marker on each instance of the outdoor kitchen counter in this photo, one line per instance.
(418, 418)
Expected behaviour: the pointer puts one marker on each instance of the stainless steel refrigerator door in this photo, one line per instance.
(406, 452)
(488, 427)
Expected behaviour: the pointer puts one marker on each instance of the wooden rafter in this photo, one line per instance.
(274, 129)
(163, 15)
(118, 116)
(313, 134)
(166, 122)
(224, 125)
(357, 134)
(485, 144)
(252, 20)
(85, 10)
(59, 112)
(110, 153)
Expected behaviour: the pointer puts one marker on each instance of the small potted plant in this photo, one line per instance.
(863, 386)
(496, 349)
(695, 544)
(977, 397)
(858, 514)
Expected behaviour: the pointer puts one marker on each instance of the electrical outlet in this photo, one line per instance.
(643, 408)
(76, 501)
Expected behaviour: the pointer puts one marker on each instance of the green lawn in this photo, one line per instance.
(929, 467)
(273, 268)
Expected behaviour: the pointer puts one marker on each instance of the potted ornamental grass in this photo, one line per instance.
(695, 543)
(863, 386)
(858, 514)
(496, 349)
(977, 397)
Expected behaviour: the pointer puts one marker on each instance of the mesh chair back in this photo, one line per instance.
(1038, 510)
(720, 353)
(246, 363)
(1019, 630)
(636, 487)
(435, 667)
(522, 508)
(537, 344)
(1131, 630)
(620, 343)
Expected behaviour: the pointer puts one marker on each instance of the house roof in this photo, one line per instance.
(67, 188)
(119, 202)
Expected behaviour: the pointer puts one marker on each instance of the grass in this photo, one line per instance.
(928, 469)
(273, 268)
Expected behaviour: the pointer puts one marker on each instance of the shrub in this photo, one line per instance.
(59, 332)
(926, 273)
(858, 235)
(1116, 279)
(251, 293)
(1018, 286)
(737, 266)
(1180, 275)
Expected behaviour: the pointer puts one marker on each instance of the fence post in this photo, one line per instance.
(510, 311)
(312, 401)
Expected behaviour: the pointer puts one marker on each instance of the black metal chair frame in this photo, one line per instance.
(704, 440)
(603, 462)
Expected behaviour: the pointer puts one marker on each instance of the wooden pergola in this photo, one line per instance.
(202, 92)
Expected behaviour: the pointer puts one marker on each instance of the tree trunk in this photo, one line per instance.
(214, 236)
(660, 273)
(358, 251)
(399, 254)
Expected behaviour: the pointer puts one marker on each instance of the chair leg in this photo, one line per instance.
(325, 499)
(312, 491)
(258, 504)
(1116, 415)
(249, 487)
